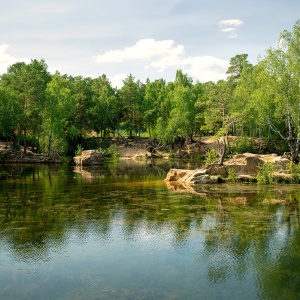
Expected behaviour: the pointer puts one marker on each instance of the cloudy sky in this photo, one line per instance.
(146, 38)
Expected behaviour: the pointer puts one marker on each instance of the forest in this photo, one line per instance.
(57, 113)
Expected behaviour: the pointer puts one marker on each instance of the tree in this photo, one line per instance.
(178, 113)
(57, 116)
(217, 98)
(38, 78)
(244, 105)
(104, 106)
(9, 115)
(155, 93)
(26, 83)
(237, 64)
(280, 86)
(82, 95)
(131, 97)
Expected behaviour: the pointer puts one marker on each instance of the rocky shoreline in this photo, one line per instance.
(243, 166)
(18, 157)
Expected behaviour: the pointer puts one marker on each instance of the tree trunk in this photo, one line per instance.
(25, 144)
(49, 144)
(294, 147)
(222, 153)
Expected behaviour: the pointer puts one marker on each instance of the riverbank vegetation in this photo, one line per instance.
(59, 113)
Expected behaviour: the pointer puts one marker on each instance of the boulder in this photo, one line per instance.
(88, 158)
(198, 176)
(217, 170)
(18, 157)
(181, 154)
(193, 149)
(55, 158)
(252, 164)
(244, 165)
(248, 163)
(204, 179)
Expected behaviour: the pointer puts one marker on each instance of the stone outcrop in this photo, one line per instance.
(89, 158)
(198, 176)
(18, 157)
(244, 165)
(193, 149)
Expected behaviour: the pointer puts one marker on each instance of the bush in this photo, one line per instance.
(212, 156)
(264, 174)
(79, 150)
(110, 152)
(231, 177)
(243, 145)
(294, 170)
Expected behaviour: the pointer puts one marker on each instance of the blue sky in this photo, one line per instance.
(148, 39)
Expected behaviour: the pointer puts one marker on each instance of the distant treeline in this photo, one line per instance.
(55, 113)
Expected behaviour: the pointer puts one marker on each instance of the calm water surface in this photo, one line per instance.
(120, 232)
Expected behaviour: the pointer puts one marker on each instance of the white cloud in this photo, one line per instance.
(144, 49)
(7, 60)
(230, 26)
(162, 55)
(229, 29)
(117, 80)
(231, 22)
(206, 68)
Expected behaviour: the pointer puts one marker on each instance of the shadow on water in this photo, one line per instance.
(122, 232)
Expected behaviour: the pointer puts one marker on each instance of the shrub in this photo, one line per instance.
(243, 145)
(264, 173)
(110, 152)
(79, 150)
(294, 170)
(212, 156)
(231, 177)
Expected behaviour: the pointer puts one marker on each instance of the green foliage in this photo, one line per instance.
(243, 145)
(79, 150)
(131, 109)
(3, 154)
(265, 173)
(231, 177)
(294, 170)
(55, 113)
(110, 152)
(25, 85)
(237, 64)
(212, 156)
(198, 157)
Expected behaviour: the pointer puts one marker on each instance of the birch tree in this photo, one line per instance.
(281, 85)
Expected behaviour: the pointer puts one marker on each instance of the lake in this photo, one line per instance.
(121, 232)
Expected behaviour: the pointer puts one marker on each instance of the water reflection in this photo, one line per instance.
(121, 233)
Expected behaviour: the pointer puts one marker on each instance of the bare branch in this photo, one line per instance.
(275, 129)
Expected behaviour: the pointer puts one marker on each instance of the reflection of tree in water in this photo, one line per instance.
(279, 266)
(240, 230)
(226, 246)
(239, 239)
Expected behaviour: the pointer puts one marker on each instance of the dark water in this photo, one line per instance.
(120, 232)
